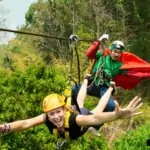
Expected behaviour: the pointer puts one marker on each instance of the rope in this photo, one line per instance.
(78, 62)
(41, 35)
(73, 47)
(71, 62)
(99, 73)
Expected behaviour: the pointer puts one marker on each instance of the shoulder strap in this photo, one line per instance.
(66, 123)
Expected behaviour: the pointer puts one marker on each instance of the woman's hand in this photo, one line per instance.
(130, 110)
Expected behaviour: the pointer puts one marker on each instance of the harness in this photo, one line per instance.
(68, 112)
(99, 76)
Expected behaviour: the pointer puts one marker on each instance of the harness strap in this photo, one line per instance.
(66, 123)
(55, 132)
(99, 75)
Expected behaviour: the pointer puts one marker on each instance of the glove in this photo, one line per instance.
(88, 76)
(73, 38)
(104, 37)
(113, 84)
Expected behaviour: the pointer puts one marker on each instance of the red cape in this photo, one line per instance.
(137, 69)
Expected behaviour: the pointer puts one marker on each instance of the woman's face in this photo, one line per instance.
(57, 116)
(116, 54)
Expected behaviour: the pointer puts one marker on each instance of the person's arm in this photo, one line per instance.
(91, 52)
(88, 120)
(103, 117)
(22, 125)
(103, 101)
(82, 93)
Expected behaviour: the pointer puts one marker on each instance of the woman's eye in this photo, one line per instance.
(50, 114)
(58, 112)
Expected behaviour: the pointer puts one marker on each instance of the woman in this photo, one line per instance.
(63, 121)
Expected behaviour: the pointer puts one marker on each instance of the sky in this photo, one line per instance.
(14, 13)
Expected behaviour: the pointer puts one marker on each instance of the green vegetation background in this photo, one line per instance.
(32, 67)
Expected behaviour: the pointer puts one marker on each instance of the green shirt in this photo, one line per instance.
(110, 67)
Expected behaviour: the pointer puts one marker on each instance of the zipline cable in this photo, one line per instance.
(41, 35)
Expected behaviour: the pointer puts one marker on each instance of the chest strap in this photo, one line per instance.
(66, 122)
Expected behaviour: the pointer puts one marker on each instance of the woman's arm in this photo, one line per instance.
(95, 119)
(22, 125)
(103, 101)
(82, 93)
(119, 113)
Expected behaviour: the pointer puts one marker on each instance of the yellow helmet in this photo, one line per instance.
(52, 101)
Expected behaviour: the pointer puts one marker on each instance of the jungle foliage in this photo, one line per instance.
(32, 67)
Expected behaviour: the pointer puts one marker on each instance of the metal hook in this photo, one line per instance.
(60, 143)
